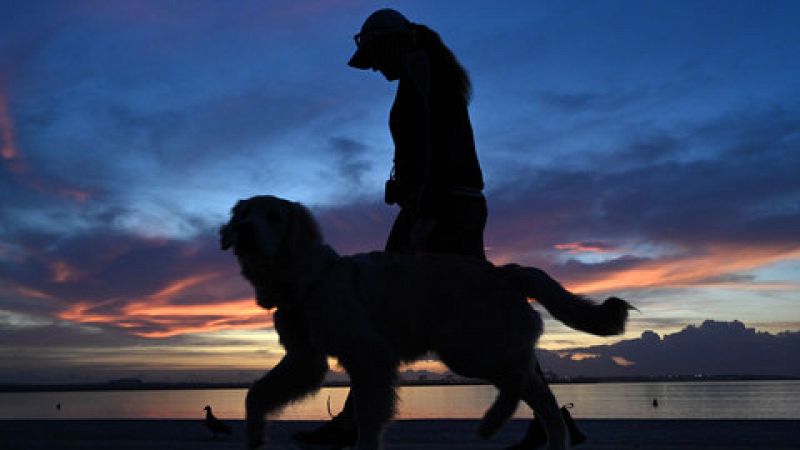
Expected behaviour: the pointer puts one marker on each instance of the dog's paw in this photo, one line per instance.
(255, 439)
(485, 431)
(254, 444)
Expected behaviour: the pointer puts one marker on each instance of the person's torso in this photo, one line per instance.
(440, 125)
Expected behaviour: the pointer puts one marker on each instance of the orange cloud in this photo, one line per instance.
(691, 270)
(155, 316)
(620, 361)
(176, 287)
(211, 326)
(582, 356)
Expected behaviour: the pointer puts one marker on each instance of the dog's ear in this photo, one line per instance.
(227, 232)
(226, 236)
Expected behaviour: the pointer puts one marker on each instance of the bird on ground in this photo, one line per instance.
(215, 425)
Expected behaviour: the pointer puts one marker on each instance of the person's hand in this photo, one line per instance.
(420, 234)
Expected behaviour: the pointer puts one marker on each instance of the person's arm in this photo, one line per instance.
(434, 160)
(429, 198)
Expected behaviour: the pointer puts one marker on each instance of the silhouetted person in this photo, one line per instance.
(436, 178)
(655, 403)
(58, 406)
(215, 425)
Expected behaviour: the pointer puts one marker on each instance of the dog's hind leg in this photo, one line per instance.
(540, 398)
(372, 377)
(503, 407)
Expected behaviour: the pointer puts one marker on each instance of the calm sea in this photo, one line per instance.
(691, 400)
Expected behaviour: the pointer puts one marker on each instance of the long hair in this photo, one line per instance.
(441, 56)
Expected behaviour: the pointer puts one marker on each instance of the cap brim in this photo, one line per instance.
(360, 59)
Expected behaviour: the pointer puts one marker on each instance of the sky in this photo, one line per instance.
(648, 150)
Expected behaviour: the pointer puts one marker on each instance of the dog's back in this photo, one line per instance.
(439, 303)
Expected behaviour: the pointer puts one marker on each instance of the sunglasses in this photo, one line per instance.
(363, 38)
(358, 38)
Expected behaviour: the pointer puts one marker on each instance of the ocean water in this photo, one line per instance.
(676, 400)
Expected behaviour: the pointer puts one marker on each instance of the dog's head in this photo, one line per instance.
(271, 238)
(257, 227)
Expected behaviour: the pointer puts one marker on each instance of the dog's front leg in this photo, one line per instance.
(296, 375)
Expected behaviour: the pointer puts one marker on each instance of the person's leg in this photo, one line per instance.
(399, 240)
(459, 227)
(536, 436)
(338, 432)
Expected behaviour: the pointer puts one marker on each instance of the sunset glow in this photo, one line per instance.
(625, 150)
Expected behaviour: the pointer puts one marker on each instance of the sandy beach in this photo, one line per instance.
(403, 435)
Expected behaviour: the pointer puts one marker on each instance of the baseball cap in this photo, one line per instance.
(382, 21)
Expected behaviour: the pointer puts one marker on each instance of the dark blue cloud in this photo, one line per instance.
(712, 348)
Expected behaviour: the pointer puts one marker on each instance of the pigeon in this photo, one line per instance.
(215, 425)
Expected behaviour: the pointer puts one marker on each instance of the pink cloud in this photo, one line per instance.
(587, 247)
(15, 164)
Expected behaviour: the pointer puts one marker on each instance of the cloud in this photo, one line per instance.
(8, 145)
(350, 159)
(590, 247)
(675, 221)
(712, 348)
(356, 227)
(589, 102)
(144, 287)
(58, 351)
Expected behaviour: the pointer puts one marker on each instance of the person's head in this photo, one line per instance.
(386, 36)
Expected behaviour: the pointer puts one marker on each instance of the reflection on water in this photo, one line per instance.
(690, 400)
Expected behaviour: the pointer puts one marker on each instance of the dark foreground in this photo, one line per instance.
(406, 434)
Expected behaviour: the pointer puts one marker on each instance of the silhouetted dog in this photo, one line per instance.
(373, 311)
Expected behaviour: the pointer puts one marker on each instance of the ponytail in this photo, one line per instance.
(441, 56)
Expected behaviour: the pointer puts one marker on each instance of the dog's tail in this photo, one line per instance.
(575, 311)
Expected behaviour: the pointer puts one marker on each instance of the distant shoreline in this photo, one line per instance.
(154, 386)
